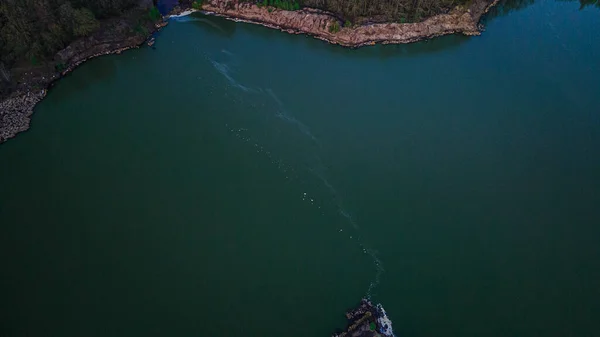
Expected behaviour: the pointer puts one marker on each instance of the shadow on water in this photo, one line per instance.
(211, 24)
(104, 70)
(585, 3)
(505, 7)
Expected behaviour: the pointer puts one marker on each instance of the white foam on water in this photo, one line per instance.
(378, 270)
(318, 172)
(242, 134)
(226, 72)
(347, 215)
(286, 116)
(303, 128)
(182, 14)
(227, 52)
(270, 92)
(316, 167)
(384, 322)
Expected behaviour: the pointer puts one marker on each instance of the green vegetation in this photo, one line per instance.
(34, 61)
(402, 11)
(335, 27)
(197, 4)
(84, 22)
(60, 67)
(154, 14)
(281, 4)
(141, 29)
(585, 3)
(32, 31)
(383, 10)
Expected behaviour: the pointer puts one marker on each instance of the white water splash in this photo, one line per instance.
(384, 322)
(182, 14)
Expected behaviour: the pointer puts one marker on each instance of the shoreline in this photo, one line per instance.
(16, 110)
(32, 84)
(17, 107)
(318, 23)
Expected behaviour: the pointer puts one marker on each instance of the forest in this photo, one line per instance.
(361, 11)
(354, 12)
(34, 30)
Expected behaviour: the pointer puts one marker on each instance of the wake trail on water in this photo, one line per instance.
(314, 165)
(284, 115)
(318, 169)
(226, 72)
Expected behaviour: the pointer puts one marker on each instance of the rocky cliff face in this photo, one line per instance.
(319, 23)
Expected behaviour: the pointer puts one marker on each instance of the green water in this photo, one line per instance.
(239, 181)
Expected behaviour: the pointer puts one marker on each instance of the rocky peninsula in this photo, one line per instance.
(327, 27)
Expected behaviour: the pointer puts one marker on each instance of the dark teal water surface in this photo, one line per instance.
(239, 181)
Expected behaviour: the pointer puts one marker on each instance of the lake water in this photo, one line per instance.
(239, 181)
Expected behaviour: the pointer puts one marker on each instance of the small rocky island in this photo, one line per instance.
(366, 320)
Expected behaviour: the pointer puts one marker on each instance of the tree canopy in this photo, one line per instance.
(37, 29)
(384, 10)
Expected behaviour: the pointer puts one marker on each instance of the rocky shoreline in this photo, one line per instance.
(30, 86)
(117, 35)
(317, 23)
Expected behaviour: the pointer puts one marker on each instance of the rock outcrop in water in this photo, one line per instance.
(366, 320)
(321, 24)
